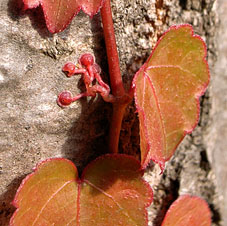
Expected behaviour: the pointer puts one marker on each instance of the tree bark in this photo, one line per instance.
(33, 127)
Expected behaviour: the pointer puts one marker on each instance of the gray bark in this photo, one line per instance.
(33, 128)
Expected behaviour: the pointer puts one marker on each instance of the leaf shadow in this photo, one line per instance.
(6, 207)
(16, 12)
(98, 43)
(87, 137)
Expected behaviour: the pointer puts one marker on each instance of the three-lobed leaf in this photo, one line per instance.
(59, 13)
(167, 91)
(187, 211)
(111, 191)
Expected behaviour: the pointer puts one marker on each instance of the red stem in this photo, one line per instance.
(111, 48)
(115, 126)
(117, 87)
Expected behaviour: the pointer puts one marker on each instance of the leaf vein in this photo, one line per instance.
(51, 197)
(111, 197)
(159, 111)
(172, 66)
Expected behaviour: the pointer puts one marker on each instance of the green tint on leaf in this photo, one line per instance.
(167, 91)
(47, 196)
(111, 192)
(59, 13)
(187, 211)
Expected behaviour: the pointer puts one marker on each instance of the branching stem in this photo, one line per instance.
(117, 86)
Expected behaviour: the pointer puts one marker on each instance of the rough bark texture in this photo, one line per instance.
(33, 127)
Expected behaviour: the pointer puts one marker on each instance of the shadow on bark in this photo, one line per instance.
(6, 207)
(16, 12)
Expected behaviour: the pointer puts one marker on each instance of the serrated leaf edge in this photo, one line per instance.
(27, 6)
(141, 172)
(24, 181)
(82, 180)
(197, 96)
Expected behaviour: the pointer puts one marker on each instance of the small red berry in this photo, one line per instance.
(64, 99)
(96, 69)
(70, 68)
(86, 59)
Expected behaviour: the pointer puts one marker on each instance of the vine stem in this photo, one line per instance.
(111, 49)
(117, 86)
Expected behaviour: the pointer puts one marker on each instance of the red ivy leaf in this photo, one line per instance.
(110, 192)
(59, 13)
(187, 211)
(167, 91)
